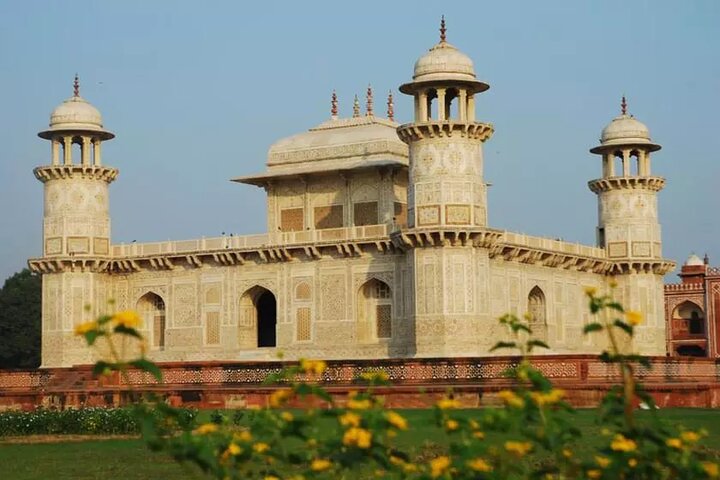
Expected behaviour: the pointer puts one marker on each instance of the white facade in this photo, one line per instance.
(378, 243)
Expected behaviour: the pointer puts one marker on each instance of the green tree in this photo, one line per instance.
(20, 304)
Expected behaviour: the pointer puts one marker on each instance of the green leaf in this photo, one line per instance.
(148, 366)
(121, 329)
(92, 336)
(592, 327)
(623, 326)
(500, 345)
(537, 343)
(616, 306)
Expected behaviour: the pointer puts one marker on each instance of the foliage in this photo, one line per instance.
(89, 420)
(20, 303)
(541, 441)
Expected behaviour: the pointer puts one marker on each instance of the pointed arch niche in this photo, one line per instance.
(537, 310)
(151, 308)
(258, 319)
(374, 311)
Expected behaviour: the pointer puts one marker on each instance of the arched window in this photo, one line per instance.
(258, 319)
(374, 311)
(536, 310)
(152, 310)
(688, 319)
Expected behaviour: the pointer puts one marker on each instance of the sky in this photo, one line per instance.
(196, 93)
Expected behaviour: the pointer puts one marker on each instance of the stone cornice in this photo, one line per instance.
(360, 149)
(93, 172)
(454, 237)
(411, 132)
(600, 185)
(657, 266)
(68, 264)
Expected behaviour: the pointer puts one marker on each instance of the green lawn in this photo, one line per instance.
(129, 459)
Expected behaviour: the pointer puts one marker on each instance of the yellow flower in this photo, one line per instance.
(634, 318)
(478, 434)
(312, 442)
(590, 291)
(261, 447)
(350, 419)
(447, 403)
(451, 425)
(287, 416)
(479, 465)
(234, 449)
(690, 437)
(711, 469)
(594, 474)
(622, 444)
(391, 433)
(127, 318)
(379, 376)
(632, 463)
(244, 436)
(278, 397)
(313, 366)
(358, 437)
(205, 429)
(511, 398)
(320, 465)
(473, 424)
(271, 477)
(674, 443)
(359, 404)
(396, 420)
(518, 448)
(396, 460)
(83, 328)
(547, 398)
(602, 461)
(567, 453)
(439, 465)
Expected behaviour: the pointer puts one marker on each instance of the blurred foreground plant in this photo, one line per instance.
(355, 435)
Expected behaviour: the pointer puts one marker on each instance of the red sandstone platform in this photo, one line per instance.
(417, 382)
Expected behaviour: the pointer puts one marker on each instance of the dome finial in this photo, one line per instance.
(369, 104)
(623, 106)
(356, 107)
(334, 106)
(443, 30)
(76, 86)
(390, 105)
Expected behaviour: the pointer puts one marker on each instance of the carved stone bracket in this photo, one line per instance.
(55, 172)
(600, 185)
(412, 132)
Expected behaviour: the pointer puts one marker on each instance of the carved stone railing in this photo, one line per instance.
(683, 287)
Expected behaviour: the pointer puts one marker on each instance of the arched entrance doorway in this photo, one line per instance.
(267, 319)
(151, 309)
(257, 325)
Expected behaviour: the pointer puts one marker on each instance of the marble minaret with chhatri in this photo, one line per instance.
(76, 226)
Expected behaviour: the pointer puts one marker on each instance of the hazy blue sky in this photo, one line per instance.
(197, 91)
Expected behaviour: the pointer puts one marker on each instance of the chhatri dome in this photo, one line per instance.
(694, 261)
(444, 62)
(626, 130)
(76, 114)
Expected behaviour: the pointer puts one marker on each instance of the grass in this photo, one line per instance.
(129, 459)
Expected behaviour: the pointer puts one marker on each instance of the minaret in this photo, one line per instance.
(446, 160)
(447, 203)
(76, 227)
(628, 227)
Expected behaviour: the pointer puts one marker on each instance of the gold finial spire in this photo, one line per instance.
(356, 107)
(76, 86)
(334, 106)
(623, 106)
(390, 110)
(443, 30)
(369, 104)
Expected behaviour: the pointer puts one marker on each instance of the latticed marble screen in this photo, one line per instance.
(159, 330)
(302, 291)
(212, 328)
(384, 321)
(302, 320)
(330, 216)
(291, 220)
(400, 213)
(365, 213)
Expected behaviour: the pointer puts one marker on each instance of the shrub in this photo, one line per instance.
(540, 438)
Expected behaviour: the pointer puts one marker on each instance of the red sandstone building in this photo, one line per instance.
(692, 310)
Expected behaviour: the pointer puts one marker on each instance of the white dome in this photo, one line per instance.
(694, 261)
(76, 111)
(444, 62)
(625, 130)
